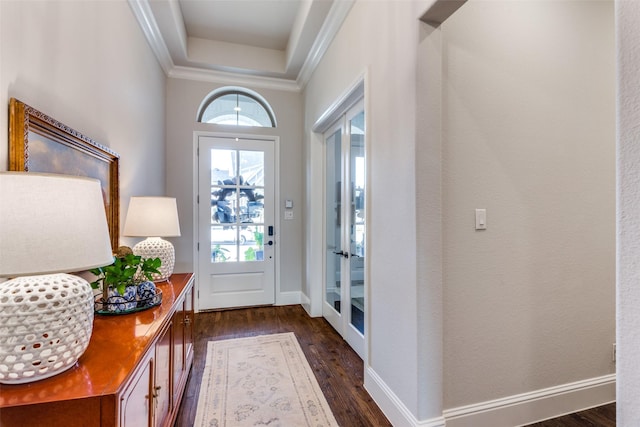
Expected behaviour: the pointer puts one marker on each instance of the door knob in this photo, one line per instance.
(342, 253)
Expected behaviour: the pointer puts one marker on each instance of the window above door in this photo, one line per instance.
(236, 106)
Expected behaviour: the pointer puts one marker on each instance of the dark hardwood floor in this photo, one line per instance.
(602, 416)
(337, 367)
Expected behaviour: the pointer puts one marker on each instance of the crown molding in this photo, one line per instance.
(142, 12)
(337, 14)
(198, 74)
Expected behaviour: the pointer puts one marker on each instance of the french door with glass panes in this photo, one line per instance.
(345, 177)
(236, 222)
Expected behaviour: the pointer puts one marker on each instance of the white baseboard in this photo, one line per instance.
(532, 407)
(518, 410)
(397, 413)
(289, 298)
(305, 301)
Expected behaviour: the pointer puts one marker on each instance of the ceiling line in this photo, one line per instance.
(336, 16)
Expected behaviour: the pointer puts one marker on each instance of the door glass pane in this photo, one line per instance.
(237, 200)
(223, 243)
(223, 166)
(251, 180)
(357, 226)
(334, 249)
(252, 168)
(253, 246)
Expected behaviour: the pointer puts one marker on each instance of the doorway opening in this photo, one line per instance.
(344, 304)
(236, 221)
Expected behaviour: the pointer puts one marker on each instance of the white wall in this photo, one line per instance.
(183, 100)
(529, 131)
(628, 292)
(88, 65)
(379, 39)
(527, 134)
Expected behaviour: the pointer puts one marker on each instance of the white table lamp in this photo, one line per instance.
(49, 225)
(154, 218)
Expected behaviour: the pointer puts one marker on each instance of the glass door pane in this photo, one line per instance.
(333, 238)
(237, 205)
(345, 293)
(357, 220)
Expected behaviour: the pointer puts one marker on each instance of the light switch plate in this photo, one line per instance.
(481, 219)
(288, 214)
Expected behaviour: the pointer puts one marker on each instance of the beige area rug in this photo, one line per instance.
(260, 381)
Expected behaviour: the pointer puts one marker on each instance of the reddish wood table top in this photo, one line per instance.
(117, 345)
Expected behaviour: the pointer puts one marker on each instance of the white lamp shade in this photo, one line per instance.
(152, 217)
(51, 223)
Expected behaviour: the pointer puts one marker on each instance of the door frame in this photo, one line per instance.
(335, 318)
(343, 318)
(276, 207)
(314, 230)
(315, 227)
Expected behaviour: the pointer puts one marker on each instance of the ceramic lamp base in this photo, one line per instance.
(45, 326)
(156, 247)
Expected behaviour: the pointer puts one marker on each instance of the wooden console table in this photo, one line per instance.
(133, 373)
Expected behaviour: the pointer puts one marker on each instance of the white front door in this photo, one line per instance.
(235, 222)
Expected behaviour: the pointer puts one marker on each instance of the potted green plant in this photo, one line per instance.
(259, 236)
(250, 254)
(126, 281)
(219, 254)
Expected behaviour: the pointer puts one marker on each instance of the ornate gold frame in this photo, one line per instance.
(39, 143)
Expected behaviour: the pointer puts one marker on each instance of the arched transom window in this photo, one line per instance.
(236, 106)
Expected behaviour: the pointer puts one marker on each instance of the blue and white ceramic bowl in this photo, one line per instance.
(129, 298)
(146, 292)
(116, 304)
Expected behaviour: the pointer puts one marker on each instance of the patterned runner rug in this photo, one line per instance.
(260, 381)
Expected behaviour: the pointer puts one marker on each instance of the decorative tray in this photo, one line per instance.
(122, 306)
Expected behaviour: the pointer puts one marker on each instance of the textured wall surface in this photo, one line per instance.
(529, 135)
(379, 39)
(66, 59)
(628, 268)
